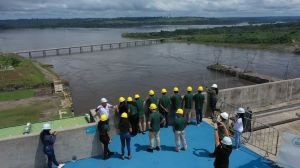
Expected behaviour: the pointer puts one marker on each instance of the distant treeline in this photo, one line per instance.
(282, 33)
(136, 21)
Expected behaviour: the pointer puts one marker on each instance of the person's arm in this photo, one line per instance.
(217, 141)
(149, 125)
(162, 119)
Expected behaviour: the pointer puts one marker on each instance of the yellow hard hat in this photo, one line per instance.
(151, 92)
(200, 88)
(124, 115)
(103, 117)
(179, 111)
(121, 99)
(164, 90)
(136, 96)
(153, 106)
(175, 89)
(189, 88)
(129, 99)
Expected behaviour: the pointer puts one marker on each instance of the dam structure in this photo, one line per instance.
(78, 140)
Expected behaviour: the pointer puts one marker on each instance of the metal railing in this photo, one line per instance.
(259, 135)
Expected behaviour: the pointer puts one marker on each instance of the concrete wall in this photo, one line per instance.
(260, 95)
(26, 151)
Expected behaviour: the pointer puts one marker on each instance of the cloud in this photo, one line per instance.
(119, 8)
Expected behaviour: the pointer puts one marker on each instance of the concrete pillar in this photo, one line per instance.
(135, 43)
(92, 48)
(70, 51)
(110, 46)
(101, 47)
(44, 53)
(80, 49)
(57, 51)
(29, 54)
(120, 44)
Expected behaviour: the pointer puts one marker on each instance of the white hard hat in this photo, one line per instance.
(241, 110)
(214, 85)
(103, 100)
(224, 115)
(226, 141)
(46, 126)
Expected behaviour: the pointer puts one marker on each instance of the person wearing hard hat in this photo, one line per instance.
(151, 99)
(122, 107)
(164, 106)
(154, 122)
(103, 129)
(223, 128)
(48, 139)
(141, 112)
(213, 92)
(176, 101)
(187, 103)
(238, 127)
(223, 150)
(133, 116)
(104, 107)
(178, 128)
(125, 137)
(199, 99)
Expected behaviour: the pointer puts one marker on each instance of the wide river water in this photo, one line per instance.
(123, 72)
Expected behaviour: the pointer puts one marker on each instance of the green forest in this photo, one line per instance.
(136, 21)
(287, 34)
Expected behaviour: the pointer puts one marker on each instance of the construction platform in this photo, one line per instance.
(200, 143)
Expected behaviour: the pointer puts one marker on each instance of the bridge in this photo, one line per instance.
(88, 48)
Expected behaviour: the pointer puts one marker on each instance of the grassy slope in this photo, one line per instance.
(25, 75)
(19, 94)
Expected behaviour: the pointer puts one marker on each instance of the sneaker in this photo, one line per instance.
(122, 157)
(150, 150)
(129, 157)
(111, 153)
(177, 150)
(61, 165)
(144, 132)
(157, 148)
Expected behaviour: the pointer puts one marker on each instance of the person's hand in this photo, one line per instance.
(216, 126)
(130, 130)
(54, 133)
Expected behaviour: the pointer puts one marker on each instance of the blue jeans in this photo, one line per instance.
(237, 139)
(199, 115)
(125, 138)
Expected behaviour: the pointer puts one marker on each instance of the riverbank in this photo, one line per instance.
(27, 92)
(280, 37)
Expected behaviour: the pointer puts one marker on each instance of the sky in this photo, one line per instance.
(16, 9)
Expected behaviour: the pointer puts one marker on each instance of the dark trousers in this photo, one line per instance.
(125, 140)
(134, 121)
(198, 116)
(166, 116)
(213, 106)
(51, 159)
(104, 139)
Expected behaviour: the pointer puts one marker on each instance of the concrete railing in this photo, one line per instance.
(82, 142)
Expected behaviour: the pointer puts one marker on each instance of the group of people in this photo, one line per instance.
(137, 116)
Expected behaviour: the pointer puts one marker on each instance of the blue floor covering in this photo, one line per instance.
(200, 143)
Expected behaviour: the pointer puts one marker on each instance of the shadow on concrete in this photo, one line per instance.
(168, 148)
(40, 157)
(201, 152)
(140, 147)
(97, 148)
(259, 162)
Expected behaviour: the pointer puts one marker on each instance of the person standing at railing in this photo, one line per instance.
(125, 137)
(223, 150)
(199, 99)
(213, 92)
(122, 107)
(133, 116)
(238, 127)
(48, 140)
(164, 106)
(176, 101)
(187, 103)
(141, 112)
(104, 107)
(103, 128)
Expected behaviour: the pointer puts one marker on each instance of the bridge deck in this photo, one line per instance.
(200, 143)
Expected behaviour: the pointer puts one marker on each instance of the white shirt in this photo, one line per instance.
(238, 125)
(104, 110)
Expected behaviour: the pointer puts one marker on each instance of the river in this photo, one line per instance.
(123, 72)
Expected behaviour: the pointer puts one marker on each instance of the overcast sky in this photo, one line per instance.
(14, 9)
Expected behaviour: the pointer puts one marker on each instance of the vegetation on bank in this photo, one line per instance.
(16, 95)
(136, 21)
(287, 34)
(19, 73)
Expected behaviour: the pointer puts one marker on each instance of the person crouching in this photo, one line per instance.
(179, 125)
